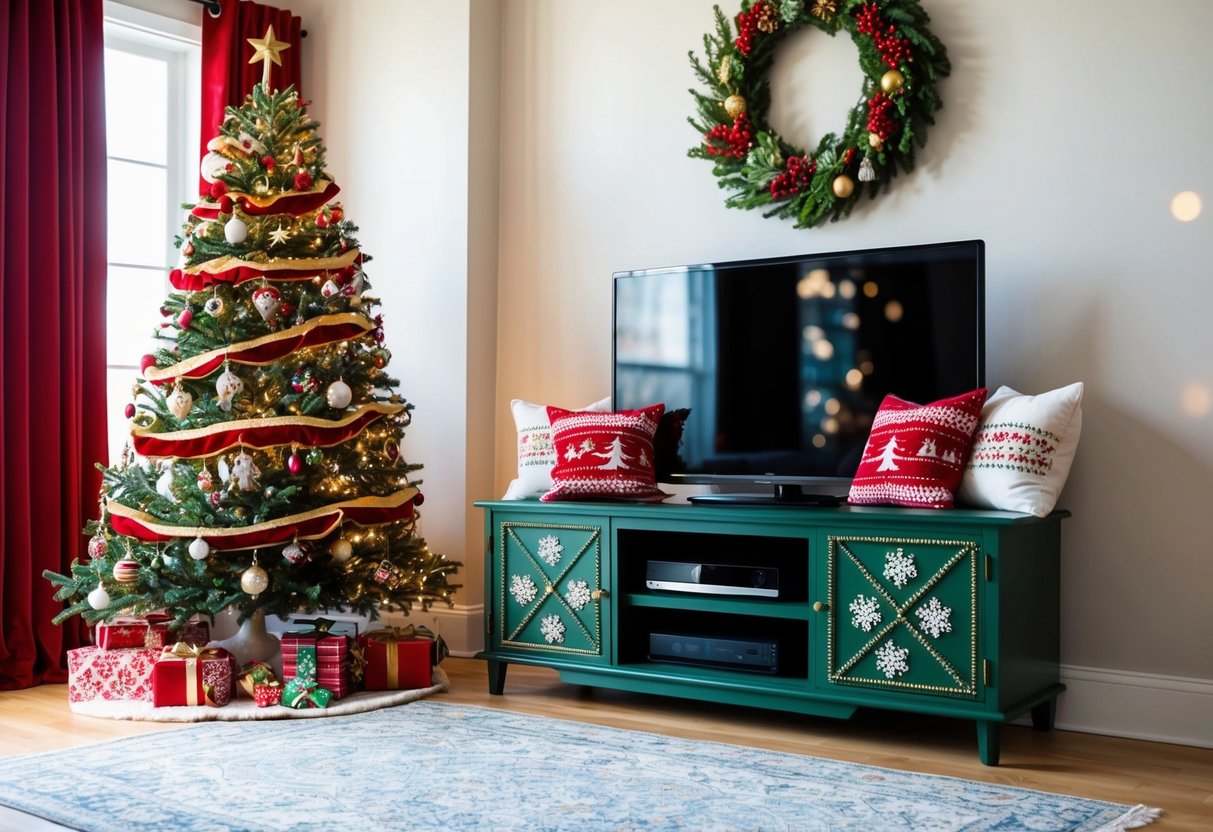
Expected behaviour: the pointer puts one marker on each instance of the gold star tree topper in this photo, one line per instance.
(267, 49)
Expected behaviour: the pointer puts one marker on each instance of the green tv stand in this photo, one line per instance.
(952, 613)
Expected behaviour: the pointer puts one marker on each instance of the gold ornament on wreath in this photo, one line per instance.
(901, 63)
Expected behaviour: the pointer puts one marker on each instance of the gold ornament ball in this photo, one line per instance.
(875, 141)
(734, 105)
(891, 81)
(844, 186)
(254, 580)
(341, 550)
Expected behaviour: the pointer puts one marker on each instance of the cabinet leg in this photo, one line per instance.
(1044, 714)
(988, 737)
(497, 677)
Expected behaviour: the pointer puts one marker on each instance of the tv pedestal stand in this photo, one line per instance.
(784, 495)
(948, 613)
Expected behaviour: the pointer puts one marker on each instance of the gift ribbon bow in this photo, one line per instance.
(357, 661)
(302, 692)
(255, 673)
(391, 635)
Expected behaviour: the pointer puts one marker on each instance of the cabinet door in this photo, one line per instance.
(903, 614)
(549, 586)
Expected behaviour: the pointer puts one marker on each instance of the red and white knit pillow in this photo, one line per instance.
(915, 454)
(604, 456)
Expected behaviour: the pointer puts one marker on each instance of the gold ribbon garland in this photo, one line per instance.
(319, 264)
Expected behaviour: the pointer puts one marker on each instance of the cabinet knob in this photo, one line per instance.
(598, 594)
(818, 606)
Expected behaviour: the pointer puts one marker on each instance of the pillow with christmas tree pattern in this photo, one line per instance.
(604, 456)
(535, 452)
(1023, 450)
(915, 453)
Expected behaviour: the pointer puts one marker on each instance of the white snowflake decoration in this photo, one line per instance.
(935, 617)
(523, 589)
(865, 613)
(899, 568)
(578, 594)
(553, 629)
(891, 659)
(550, 549)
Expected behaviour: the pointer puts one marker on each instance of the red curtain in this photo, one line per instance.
(227, 76)
(52, 308)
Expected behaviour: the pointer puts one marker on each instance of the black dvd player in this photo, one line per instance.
(713, 578)
(758, 655)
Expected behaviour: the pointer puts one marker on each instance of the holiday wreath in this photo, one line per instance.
(901, 62)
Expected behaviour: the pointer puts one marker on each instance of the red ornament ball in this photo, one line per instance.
(218, 189)
(225, 204)
(130, 410)
(126, 571)
(294, 464)
(419, 499)
(322, 221)
(267, 162)
(303, 181)
(185, 318)
(146, 361)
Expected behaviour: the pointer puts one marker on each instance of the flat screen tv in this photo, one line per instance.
(783, 362)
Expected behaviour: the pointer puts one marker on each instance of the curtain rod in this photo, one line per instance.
(214, 8)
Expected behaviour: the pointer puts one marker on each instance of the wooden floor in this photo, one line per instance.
(1177, 778)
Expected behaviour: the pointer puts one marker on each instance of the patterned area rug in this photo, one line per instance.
(434, 765)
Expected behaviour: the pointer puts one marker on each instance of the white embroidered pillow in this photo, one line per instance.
(536, 454)
(1023, 450)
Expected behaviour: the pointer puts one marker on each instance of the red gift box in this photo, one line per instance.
(121, 633)
(95, 673)
(332, 659)
(395, 661)
(190, 675)
(266, 695)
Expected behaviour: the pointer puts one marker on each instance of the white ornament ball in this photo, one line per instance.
(228, 386)
(254, 580)
(341, 550)
(199, 549)
(339, 395)
(99, 599)
(236, 231)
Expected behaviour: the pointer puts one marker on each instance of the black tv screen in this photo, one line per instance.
(783, 362)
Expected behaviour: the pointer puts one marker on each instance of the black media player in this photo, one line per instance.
(713, 578)
(757, 655)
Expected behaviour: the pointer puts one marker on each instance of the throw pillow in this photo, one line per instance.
(1023, 450)
(604, 455)
(915, 454)
(536, 455)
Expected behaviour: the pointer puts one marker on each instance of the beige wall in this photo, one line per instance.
(1067, 128)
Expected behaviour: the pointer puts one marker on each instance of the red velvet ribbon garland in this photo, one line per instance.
(310, 525)
(234, 270)
(259, 433)
(291, 202)
(267, 349)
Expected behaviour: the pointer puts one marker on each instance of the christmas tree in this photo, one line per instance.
(264, 471)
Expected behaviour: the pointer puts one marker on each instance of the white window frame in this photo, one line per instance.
(179, 44)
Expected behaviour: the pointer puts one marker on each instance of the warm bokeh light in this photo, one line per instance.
(833, 406)
(1185, 206)
(850, 320)
(893, 310)
(823, 350)
(846, 289)
(870, 289)
(854, 378)
(1196, 399)
(819, 441)
(813, 398)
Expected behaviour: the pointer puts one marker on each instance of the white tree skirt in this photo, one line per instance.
(245, 709)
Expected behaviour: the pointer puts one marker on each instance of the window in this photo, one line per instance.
(151, 100)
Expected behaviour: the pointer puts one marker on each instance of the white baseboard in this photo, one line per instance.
(1122, 703)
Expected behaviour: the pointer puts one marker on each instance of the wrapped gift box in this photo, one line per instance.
(332, 659)
(396, 659)
(191, 675)
(122, 633)
(96, 673)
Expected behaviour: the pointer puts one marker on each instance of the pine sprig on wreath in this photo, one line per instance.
(901, 63)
